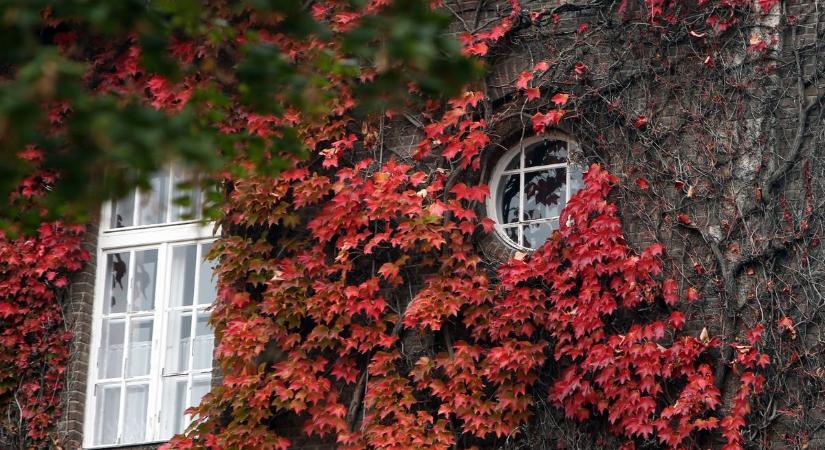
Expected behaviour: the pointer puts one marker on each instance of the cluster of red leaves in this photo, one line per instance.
(34, 272)
(721, 14)
(328, 301)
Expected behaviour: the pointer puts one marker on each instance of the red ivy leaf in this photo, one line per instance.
(541, 66)
(551, 118)
(755, 334)
(692, 294)
(472, 193)
(560, 99)
(523, 80)
(677, 320)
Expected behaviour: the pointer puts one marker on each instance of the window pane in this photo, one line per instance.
(536, 234)
(154, 203)
(116, 283)
(545, 193)
(576, 178)
(174, 404)
(178, 341)
(185, 195)
(146, 268)
(512, 233)
(123, 212)
(107, 409)
(545, 152)
(140, 347)
(200, 387)
(508, 198)
(515, 162)
(137, 410)
(206, 283)
(204, 341)
(111, 348)
(184, 260)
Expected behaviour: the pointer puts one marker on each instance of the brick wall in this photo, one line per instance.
(78, 313)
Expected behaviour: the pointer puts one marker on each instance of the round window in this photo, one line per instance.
(530, 186)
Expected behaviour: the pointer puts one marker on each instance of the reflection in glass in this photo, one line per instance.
(184, 259)
(545, 193)
(123, 212)
(576, 178)
(174, 404)
(111, 348)
(134, 418)
(143, 294)
(140, 348)
(545, 152)
(200, 387)
(117, 284)
(512, 233)
(509, 198)
(108, 408)
(206, 281)
(536, 234)
(177, 344)
(203, 342)
(154, 203)
(185, 195)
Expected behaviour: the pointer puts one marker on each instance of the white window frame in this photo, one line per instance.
(493, 210)
(163, 237)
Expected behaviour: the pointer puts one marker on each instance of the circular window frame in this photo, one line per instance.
(498, 172)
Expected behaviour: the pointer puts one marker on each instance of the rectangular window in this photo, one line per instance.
(152, 343)
(173, 198)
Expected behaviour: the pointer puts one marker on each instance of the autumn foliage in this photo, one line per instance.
(332, 273)
(34, 276)
(584, 314)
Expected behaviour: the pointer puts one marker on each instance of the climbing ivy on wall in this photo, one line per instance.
(330, 273)
(354, 301)
(34, 276)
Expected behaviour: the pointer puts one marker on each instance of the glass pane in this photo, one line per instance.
(508, 198)
(140, 348)
(185, 195)
(512, 234)
(536, 234)
(200, 387)
(146, 268)
(576, 178)
(116, 283)
(106, 414)
(123, 212)
(178, 341)
(111, 348)
(184, 260)
(174, 404)
(546, 152)
(544, 193)
(136, 413)
(515, 162)
(154, 203)
(206, 283)
(203, 342)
